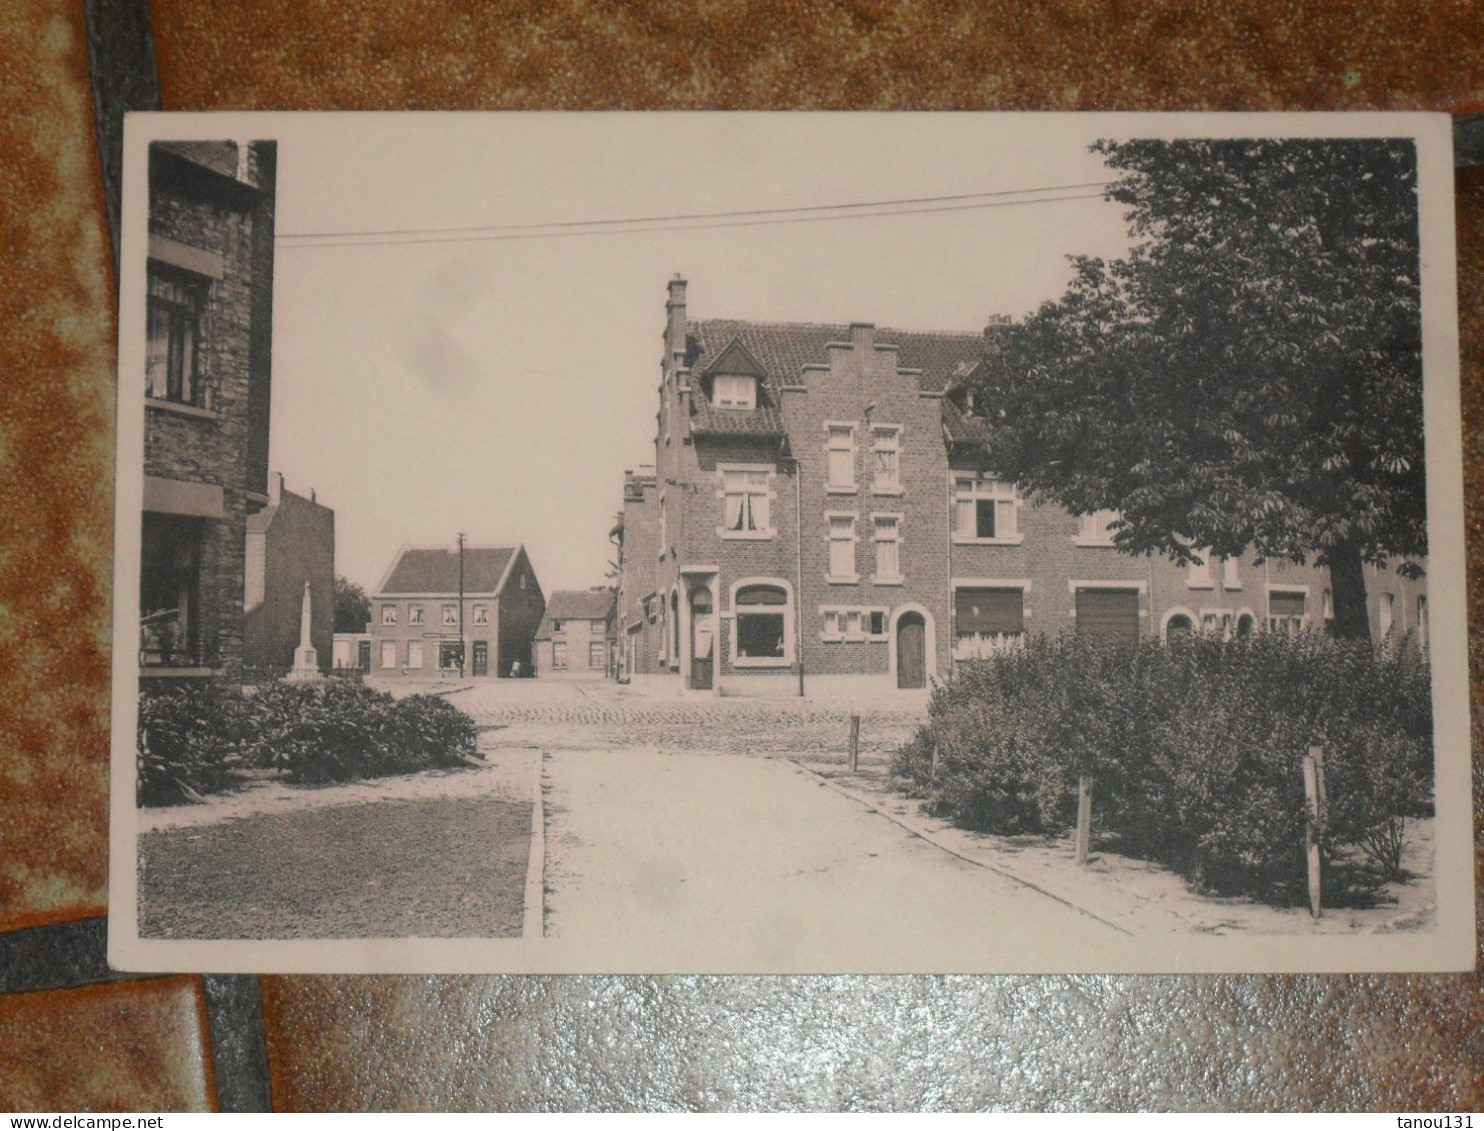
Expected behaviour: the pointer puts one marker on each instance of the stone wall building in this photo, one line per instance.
(206, 390)
(421, 629)
(289, 542)
(815, 521)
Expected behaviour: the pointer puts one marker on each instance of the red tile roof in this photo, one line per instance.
(784, 348)
(435, 569)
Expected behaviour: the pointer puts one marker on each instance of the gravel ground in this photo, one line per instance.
(445, 867)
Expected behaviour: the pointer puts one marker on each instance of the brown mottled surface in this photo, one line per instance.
(56, 492)
(132, 1046)
(894, 1044)
(1411, 1043)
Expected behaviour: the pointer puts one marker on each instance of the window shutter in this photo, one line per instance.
(1108, 612)
(1284, 604)
(989, 610)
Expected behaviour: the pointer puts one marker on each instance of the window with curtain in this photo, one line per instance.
(840, 458)
(745, 504)
(888, 537)
(763, 614)
(984, 510)
(842, 546)
(172, 357)
(886, 453)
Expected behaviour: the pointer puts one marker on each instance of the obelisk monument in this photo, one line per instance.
(306, 659)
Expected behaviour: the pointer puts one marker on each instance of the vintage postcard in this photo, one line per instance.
(910, 543)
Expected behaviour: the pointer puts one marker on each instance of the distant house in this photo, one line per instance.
(289, 542)
(206, 391)
(419, 627)
(576, 634)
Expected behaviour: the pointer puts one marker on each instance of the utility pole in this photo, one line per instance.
(462, 645)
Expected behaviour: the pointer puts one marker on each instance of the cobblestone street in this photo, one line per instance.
(603, 716)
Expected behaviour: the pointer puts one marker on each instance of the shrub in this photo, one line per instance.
(188, 740)
(311, 733)
(1194, 749)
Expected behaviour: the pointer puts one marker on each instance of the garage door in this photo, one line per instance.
(1109, 613)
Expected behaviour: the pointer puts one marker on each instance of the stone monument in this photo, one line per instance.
(306, 659)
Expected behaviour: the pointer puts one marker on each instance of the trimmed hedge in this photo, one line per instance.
(197, 735)
(1194, 750)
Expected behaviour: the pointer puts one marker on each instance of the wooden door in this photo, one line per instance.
(481, 657)
(911, 651)
(702, 640)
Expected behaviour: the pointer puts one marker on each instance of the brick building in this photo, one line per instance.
(815, 521)
(416, 627)
(575, 638)
(206, 390)
(289, 542)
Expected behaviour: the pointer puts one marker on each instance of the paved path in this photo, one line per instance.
(693, 862)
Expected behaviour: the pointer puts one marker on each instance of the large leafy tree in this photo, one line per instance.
(1249, 376)
(352, 606)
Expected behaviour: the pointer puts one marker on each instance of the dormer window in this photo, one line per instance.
(735, 392)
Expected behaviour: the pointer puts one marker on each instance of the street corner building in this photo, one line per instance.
(206, 390)
(443, 610)
(816, 521)
(575, 639)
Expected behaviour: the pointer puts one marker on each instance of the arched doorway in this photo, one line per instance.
(911, 651)
(1178, 627)
(702, 639)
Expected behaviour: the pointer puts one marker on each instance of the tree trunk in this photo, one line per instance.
(1347, 580)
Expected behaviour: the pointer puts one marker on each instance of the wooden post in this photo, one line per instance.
(855, 742)
(1084, 820)
(933, 770)
(1313, 763)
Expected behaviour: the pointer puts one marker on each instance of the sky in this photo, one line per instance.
(500, 387)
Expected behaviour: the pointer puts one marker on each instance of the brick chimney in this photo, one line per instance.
(675, 322)
(995, 324)
(862, 336)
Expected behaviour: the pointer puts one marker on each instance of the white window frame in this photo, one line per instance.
(841, 632)
(559, 660)
(732, 390)
(896, 520)
(388, 615)
(448, 616)
(1092, 529)
(892, 434)
(830, 518)
(1280, 624)
(974, 488)
(595, 648)
(1226, 622)
(740, 661)
(830, 447)
(481, 614)
(1231, 577)
(414, 614)
(767, 493)
(1002, 641)
(1200, 576)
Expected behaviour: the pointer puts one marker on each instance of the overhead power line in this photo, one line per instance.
(694, 221)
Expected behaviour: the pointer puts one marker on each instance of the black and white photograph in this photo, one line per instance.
(789, 543)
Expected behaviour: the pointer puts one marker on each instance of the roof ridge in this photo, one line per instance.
(770, 325)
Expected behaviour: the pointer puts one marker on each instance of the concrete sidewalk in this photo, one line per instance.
(698, 862)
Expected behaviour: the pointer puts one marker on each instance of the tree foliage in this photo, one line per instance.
(1250, 375)
(352, 606)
